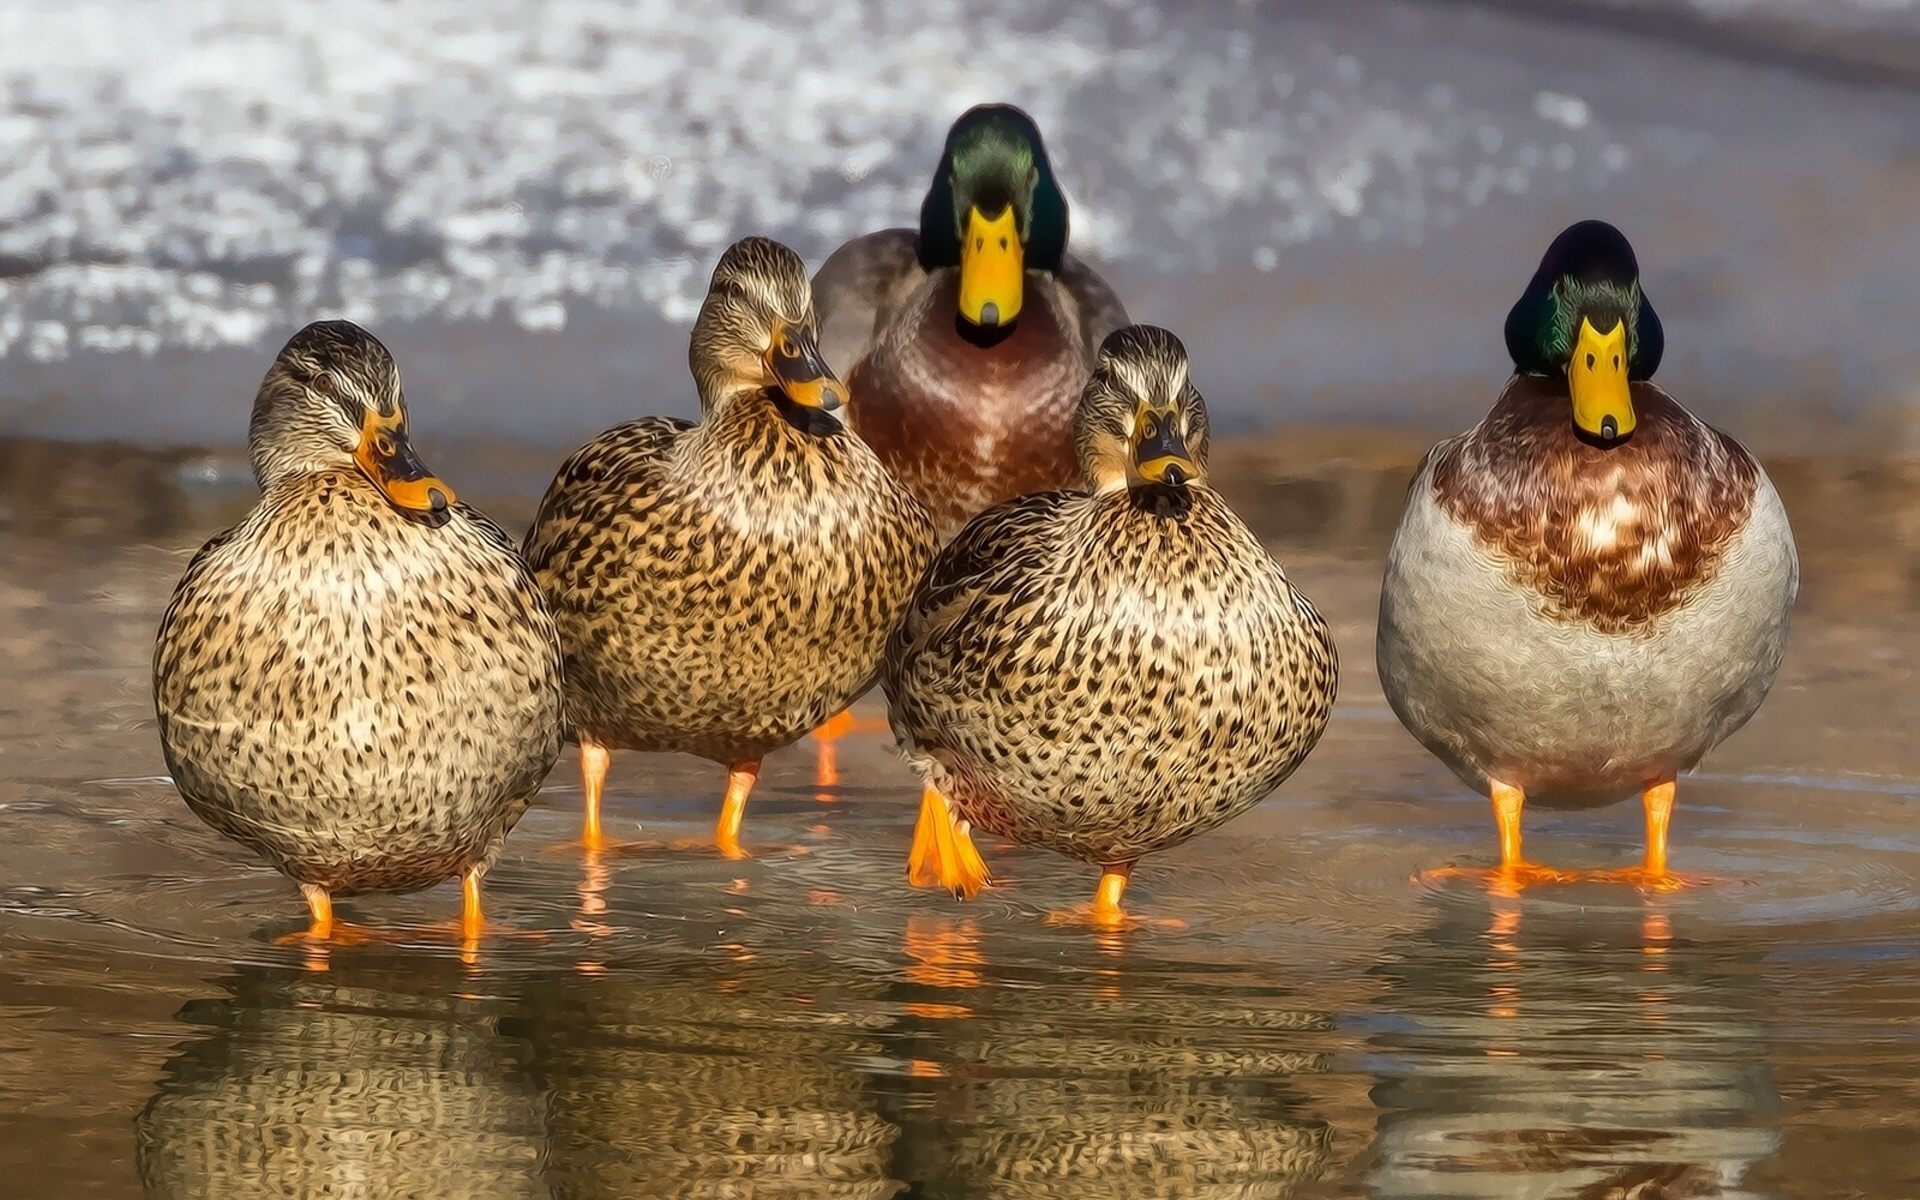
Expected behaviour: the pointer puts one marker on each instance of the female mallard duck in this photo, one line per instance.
(722, 587)
(359, 680)
(1107, 672)
(969, 340)
(1589, 589)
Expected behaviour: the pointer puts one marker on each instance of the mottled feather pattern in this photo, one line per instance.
(724, 588)
(368, 701)
(964, 421)
(1614, 537)
(1108, 675)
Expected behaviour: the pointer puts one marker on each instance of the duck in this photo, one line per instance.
(1109, 670)
(969, 339)
(360, 680)
(1590, 589)
(722, 586)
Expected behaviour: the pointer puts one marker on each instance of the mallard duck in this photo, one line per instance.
(1589, 589)
(969, 339)
(359, 680)
(723, 587)
(1106, 672)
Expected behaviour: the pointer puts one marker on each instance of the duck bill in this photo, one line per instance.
(1160, 454)
(798, 369)
(1597, 380)
(386, 457)
(992, 269)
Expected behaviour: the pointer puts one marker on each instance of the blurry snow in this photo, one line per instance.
(201, 173)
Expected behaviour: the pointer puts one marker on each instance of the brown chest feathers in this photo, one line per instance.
(1613, 537)
(966, 420)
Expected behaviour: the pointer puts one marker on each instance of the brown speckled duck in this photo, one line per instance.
(1108, 672)
(723, 587)
(968, 340)
(1589, 589)
(359, 680)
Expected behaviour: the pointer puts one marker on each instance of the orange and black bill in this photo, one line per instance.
(794, 359)
(1160, 452)
(386, 457)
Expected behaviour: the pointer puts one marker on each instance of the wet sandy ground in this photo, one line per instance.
(803, 1024)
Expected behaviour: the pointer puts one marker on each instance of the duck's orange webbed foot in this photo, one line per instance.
(943, 853)
(1514, 874)
(1105, 913)
(1507, 879)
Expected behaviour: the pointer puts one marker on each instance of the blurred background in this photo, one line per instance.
(1333, 202)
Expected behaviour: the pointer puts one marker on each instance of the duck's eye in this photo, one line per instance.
(323, 383)
(385, 445)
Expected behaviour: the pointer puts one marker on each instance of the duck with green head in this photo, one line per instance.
(1589, 589)
(969, 339)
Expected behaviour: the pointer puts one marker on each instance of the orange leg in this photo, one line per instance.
(1515, 873)
(827, 767)
(594, 760)
(943, 852)
(1658, 799)
(1653, 874)
(1105, 911)
(320, 909)
(733, 809)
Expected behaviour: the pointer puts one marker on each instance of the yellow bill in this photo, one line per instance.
(793, 359)
(1597, 378)
(992, 269)
(387, 458)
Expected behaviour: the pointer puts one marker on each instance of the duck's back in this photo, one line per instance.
(1109, 675)
(722, 589)
(369, 701)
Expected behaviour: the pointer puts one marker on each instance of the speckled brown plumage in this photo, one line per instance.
(1611, 536)
(722, 588)
(1109, 672)
(368, 698)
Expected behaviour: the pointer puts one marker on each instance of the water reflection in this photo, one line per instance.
(370, 1080)
(1563, 1052)
(1102, 1081)
(729, 1073)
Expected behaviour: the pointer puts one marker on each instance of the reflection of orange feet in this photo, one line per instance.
(1507, 879)
(943, 853)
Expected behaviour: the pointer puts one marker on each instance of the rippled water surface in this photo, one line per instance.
(804, 1025)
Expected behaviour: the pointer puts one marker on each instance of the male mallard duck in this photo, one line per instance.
(1589, 589)
(970, 338)
(1107, 672)
(359, 680)
(722, 587)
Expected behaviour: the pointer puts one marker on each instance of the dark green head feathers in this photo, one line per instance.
(1589, 271)
(994, 157)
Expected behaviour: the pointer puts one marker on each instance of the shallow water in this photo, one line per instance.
(804, 1025)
